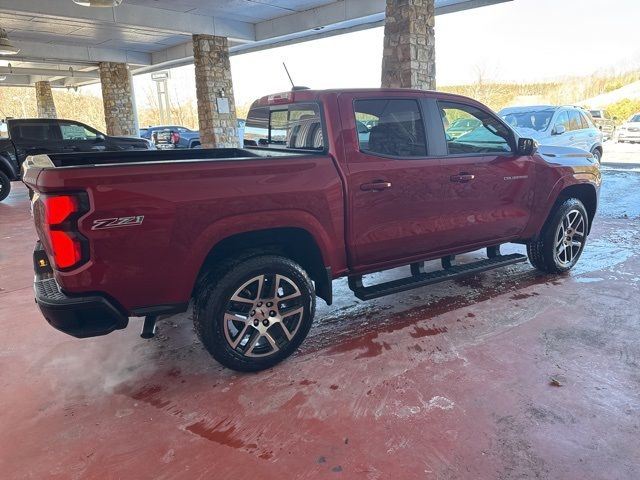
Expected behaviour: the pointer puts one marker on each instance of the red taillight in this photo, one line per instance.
(67, 251)
(59, 208)
(61, 213)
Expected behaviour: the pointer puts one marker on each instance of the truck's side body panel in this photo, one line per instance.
(187, 208)
(182, 208)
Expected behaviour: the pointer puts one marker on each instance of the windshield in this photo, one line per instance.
(595, 113)
(534, 119)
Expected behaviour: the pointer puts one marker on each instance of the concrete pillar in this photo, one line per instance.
(214, 90)
(409, 56)
(44, 100)
(118, 99)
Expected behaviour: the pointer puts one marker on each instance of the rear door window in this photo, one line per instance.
(575, 122)
(36, 132)
(297, 125)
(586, 123)
(390, 127)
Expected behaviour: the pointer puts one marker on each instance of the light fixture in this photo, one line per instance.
(6, 48)
(98, 3)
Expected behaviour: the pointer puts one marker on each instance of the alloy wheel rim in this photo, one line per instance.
(570, 237)
(263, 315)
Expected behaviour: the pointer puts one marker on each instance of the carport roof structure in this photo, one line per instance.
(62, 42)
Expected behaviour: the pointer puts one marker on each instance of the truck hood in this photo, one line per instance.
(568, 156)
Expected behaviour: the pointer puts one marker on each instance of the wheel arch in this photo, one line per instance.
(599, 149)
(586, 193)
(7, 168)
(292, 242)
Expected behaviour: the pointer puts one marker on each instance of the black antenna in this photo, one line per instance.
(287, 70)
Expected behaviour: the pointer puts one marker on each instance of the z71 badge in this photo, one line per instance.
(104, 223)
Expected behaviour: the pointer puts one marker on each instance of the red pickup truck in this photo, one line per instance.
(341, 183)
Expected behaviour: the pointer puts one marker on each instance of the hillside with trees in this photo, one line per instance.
(20, 102)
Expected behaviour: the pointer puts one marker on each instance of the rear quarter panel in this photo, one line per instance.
(188, 207)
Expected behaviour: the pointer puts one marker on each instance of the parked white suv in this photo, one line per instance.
(551, 125)
(629, 131)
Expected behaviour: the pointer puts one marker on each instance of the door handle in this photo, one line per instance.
(375, 186)
(571, 138)
(462, 177)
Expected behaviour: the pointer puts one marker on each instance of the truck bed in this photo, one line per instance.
(137, 157)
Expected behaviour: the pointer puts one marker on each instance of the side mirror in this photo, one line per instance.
(559, 130)
(526, 146)
(99, 137)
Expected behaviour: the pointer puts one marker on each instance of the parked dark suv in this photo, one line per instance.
(31, 136)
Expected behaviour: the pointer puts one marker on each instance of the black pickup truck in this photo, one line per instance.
(31, 136)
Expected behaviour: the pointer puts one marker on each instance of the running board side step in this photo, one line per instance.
(421, 279)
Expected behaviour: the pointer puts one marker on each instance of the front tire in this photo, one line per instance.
(597, 154)
(253, 313)
(5, 186)
(562, 240)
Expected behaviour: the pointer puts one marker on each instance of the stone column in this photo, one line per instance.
(44, 100)
(214, 90)
(409, 56)
(118, 100)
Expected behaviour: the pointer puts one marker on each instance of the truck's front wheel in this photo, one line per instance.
(561, 242)
(254, 313)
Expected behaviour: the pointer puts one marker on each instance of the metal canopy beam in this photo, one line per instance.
(51, 53)
(50, 72)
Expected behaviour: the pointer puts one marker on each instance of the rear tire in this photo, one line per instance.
(5, 186)
(562, 240)
(252, 313)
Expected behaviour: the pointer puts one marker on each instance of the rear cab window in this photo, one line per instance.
(290, 126)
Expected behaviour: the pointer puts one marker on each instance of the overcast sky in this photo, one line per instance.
(523, 40)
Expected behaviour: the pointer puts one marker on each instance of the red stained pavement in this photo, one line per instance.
(455, 381)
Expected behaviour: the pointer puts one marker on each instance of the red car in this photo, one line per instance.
(254, 235)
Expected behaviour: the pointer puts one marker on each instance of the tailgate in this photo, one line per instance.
(32, 167)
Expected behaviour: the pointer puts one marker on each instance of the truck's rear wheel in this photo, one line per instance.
(5, 186)
(254, 313)
(561, 242)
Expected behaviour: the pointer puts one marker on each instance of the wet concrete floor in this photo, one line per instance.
(507, 375)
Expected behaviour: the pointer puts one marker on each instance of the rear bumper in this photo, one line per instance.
(80, 316)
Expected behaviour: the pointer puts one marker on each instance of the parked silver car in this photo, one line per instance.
(565, 126)
(629, 131)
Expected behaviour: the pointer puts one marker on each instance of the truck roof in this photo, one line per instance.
(41, 120)
(311, 95)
